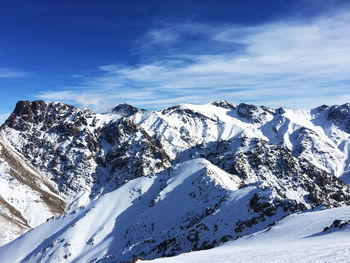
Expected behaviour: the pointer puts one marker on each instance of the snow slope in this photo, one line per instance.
(193, 206)
(141, 211)
(27, 198)
(296, 238)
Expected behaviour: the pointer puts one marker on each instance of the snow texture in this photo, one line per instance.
(297, 238)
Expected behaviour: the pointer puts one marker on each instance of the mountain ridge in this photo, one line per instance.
(266, 163)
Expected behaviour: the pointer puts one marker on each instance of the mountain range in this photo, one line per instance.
(130, 184)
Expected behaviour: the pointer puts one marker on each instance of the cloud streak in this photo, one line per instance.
(295, 64)
(12, 73)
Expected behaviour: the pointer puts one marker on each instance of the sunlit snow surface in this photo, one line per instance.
(99, 228)
(97, 233)
(297, 238)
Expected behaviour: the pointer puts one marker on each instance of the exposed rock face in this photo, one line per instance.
(125, 110)
(254, 114)
(126, 152)
(78, 151)
(224, 104)
(57, 139)
(26, 112)
(337, 224)
(340, 116)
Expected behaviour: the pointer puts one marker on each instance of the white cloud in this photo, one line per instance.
(162, 36)
(85, 99)
(11, 73)
(294, 64)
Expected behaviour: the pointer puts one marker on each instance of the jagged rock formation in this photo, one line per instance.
(125, 110)
(188, 177)
(337, 224)
(79, 150)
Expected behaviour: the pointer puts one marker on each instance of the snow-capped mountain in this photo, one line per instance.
(136, 183)
(82, 152)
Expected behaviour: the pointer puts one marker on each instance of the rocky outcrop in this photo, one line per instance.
(126, 110)
(254, 114)
(340, 116)
(337, 224)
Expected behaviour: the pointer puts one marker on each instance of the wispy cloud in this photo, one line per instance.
(295, 64)
(12, 73)
(3, 117)
(160, 36)
(85, 99)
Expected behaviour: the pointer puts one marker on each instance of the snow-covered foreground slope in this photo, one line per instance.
(145, 216)
(296, 238)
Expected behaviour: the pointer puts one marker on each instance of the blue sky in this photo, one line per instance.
(153, 54)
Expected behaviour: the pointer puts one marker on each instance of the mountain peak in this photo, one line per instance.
(25, 107)
(26, 110)
(125, 110)
(223, 104)
(39, 112)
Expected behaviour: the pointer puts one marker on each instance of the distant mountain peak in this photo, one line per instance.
(223, 104)
(125, 110)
